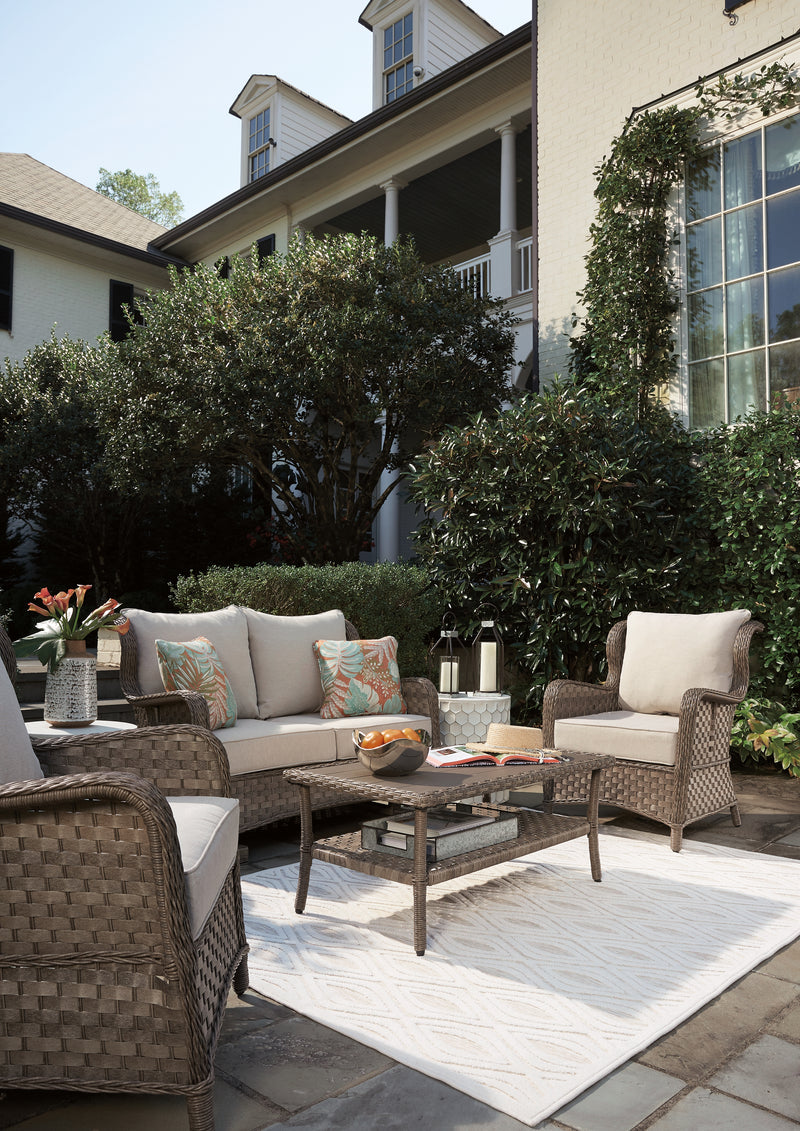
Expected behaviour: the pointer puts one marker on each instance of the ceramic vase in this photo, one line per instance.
(70, 696)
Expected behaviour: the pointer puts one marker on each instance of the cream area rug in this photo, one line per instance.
(537, 982)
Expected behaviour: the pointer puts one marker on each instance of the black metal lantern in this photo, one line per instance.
(487, 654)
(444, 659)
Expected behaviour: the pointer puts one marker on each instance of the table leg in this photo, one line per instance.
(594, 847)
(420, 878)
(306, 843)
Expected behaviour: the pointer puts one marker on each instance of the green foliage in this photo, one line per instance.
(388, 599)
(289, 365)
(772, 88)
(764, 729)
(750, 483)
(566, 513)
(142, 194)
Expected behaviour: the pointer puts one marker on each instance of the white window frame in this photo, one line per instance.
(258, 156)
(404, 64)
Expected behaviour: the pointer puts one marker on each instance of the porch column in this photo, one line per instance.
(389, 514)
(505, 281)
(391, 222)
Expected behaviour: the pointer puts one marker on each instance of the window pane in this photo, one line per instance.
(407, 22)
(388, 58)
(747, 384)
(407, 46)
(706, 394)
(744, 303)
(783, 230)
(783, 156)
(744, 244)
(702, 187)
(784, 373)
(705, 324)
(387, 37)
(743, 170)
(704, 250)
(783, 296)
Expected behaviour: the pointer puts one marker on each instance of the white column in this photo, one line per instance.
(391, 222)
(508, 177)
(389, 514)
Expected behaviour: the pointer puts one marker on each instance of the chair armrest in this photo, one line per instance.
(565, 698)
(422, 699)
(704, 732)
(163, 707)
(175, 759)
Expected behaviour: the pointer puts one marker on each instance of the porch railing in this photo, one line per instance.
(476, 274)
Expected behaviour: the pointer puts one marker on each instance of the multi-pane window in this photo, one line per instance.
(743, 275)
(398, 61)
(6, 286)
(259, 143)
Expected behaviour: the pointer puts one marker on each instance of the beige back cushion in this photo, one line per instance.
(667, 653)
(285, 667)
(225, 628)
(17, 759)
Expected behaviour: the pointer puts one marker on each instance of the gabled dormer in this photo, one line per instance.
(278, 123)
(416, 39)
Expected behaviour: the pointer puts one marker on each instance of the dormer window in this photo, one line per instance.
(398, 58)
(259, 146)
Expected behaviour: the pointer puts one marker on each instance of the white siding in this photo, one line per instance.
(299, 127)
(449, 39)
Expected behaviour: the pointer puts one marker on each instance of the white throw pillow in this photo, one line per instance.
(285, 667)
(17, 759)
(667, 653)
(225, 628)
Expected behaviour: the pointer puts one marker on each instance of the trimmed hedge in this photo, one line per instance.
(387, 599)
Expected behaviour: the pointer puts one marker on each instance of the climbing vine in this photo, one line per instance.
(626, 344)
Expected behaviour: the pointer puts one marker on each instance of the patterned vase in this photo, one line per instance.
(70, 696)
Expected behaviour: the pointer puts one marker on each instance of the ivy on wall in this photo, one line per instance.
(626, 344)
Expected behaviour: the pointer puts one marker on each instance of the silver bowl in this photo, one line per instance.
(393, 759)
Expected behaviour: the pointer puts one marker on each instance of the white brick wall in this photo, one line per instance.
(597, 62)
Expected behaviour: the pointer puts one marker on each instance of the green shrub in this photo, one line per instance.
(388, 599)
(764, 729)
(566, 513)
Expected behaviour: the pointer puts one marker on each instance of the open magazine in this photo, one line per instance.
(463, 756)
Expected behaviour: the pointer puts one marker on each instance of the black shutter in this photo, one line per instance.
(6, 286)
(266, 247)
(119, 295)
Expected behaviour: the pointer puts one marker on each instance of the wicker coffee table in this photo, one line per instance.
(430, 787)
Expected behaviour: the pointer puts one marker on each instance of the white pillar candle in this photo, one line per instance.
(488, 676)
(448, 676)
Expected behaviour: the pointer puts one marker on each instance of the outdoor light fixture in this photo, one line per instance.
(487, 655)
(444, 659)
(730, 9)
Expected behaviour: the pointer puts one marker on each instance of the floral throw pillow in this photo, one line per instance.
(193, 665)
(359, 677)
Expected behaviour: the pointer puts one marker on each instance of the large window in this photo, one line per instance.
(398, 62)
(6, 286)
(259, 145)
(743, 275)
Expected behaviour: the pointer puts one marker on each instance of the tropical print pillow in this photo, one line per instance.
(193, 665)
(359, 677)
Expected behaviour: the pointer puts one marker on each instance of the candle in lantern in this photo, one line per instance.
(448, 676)
(488, 674)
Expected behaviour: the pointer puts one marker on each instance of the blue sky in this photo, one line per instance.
(148, 85)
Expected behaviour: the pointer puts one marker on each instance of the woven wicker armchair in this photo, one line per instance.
(673, 762)
(116, 955)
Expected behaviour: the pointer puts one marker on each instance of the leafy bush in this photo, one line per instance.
(765, 729)
(565, 513)
(388, 599)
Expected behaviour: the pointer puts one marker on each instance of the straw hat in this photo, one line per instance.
(503, 739)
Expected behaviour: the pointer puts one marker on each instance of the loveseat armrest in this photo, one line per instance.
(422, 699)
(170, 707)
(178, 760)
(566, 698)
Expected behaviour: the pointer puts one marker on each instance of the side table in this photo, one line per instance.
(466, 718)
(42, 729)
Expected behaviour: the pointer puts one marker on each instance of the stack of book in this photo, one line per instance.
(451, 831)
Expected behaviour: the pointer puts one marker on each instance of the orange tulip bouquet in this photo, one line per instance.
(64, 622)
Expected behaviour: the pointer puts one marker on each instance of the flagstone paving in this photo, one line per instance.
(734, 1064)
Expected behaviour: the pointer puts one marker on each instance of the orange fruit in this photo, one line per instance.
(372, 739)
(414, 735)
(392, 735)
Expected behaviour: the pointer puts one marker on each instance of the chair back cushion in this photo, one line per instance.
(17, 759)
(225, 628)
(668, 653)
(285, 667)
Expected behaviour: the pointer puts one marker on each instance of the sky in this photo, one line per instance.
(148, 85)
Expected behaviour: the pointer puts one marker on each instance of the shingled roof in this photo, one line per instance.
(27, 184)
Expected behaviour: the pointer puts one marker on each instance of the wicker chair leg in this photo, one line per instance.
(736, 816)
(200, 1108)
(241, 979)
(676, 839)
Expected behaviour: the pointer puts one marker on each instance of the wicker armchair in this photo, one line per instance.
(673, 765)
(116, 955)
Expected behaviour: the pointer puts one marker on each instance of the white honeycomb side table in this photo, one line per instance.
(466, 718)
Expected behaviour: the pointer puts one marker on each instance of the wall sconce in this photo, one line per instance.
(730, 10)
(487, 656)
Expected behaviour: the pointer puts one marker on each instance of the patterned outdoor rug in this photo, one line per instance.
(537, 982)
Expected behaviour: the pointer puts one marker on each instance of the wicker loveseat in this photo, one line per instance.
(121, 925)
(274, 675)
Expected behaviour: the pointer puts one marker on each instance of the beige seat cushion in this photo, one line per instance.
(17, 759)
(629, 735)
(285, 668)
(208, 834)
(667, 653)
(225, 628)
